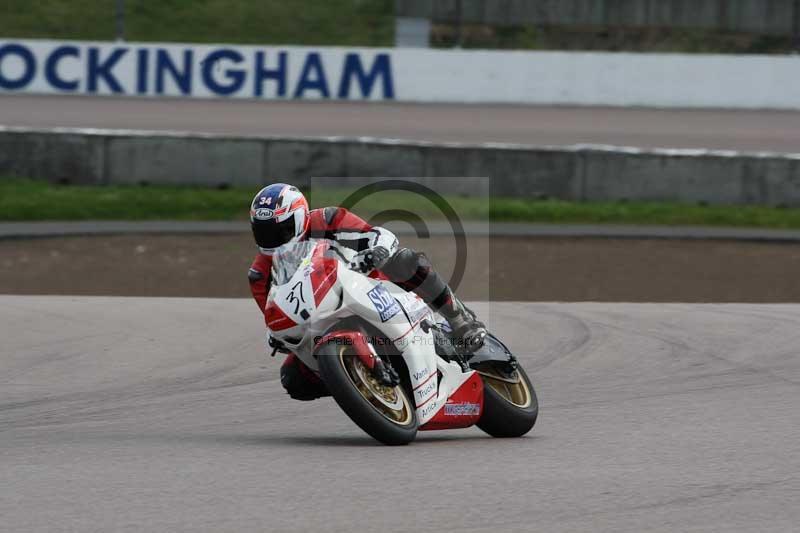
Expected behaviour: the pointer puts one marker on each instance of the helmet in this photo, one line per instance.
(278, 215)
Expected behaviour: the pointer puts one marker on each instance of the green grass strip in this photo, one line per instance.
(308, 22)
(28, 200)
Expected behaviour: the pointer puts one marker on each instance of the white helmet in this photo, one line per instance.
(279, 214)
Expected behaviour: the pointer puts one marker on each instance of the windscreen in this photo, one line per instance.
(287, 259)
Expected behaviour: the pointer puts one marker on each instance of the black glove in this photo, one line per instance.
(276, 345)
(371, 259)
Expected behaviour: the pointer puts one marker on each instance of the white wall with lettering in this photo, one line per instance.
(411, 75)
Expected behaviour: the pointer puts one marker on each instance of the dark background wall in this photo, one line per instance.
(754, 16)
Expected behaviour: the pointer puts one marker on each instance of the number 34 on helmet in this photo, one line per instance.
(279, 214)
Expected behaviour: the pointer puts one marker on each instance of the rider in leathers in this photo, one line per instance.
(279, 214)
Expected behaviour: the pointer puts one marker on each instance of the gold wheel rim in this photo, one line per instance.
(512, 388)
(391, 402)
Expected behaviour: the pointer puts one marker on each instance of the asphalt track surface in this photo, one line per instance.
(24, 230)
(777, 131)
(165, 415)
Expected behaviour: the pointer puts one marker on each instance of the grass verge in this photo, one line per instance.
(28, 200)
(310, 22)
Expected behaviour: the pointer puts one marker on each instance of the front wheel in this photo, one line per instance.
(510, 406)
(385, 413)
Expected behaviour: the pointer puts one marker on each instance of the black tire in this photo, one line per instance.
(332, 359)
(501, 417)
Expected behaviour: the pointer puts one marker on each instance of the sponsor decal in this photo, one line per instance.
(263, 213)
(428, 409)
(462, 409)
(427, 389)
(384, 302)
(415, 308)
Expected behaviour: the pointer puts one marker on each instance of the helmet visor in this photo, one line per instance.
(270, 234)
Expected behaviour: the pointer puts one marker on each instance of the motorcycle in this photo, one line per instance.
(385, 357)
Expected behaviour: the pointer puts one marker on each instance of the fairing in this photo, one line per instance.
(319, 291)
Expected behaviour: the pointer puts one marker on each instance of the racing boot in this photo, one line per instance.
(300, 382)
(467, 331)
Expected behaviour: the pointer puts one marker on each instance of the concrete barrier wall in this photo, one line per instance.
(406, 75)
(754, 16)
(584, 173)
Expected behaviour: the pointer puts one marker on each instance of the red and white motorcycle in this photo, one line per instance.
(385, 357)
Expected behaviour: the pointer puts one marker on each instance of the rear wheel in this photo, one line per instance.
(385, 413)
(510, 406)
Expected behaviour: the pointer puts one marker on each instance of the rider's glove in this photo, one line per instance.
(276, 345)
(367, 260)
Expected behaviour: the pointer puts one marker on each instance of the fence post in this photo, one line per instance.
(120, 19)
(459, 25)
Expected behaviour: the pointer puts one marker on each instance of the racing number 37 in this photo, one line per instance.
(295, 297)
